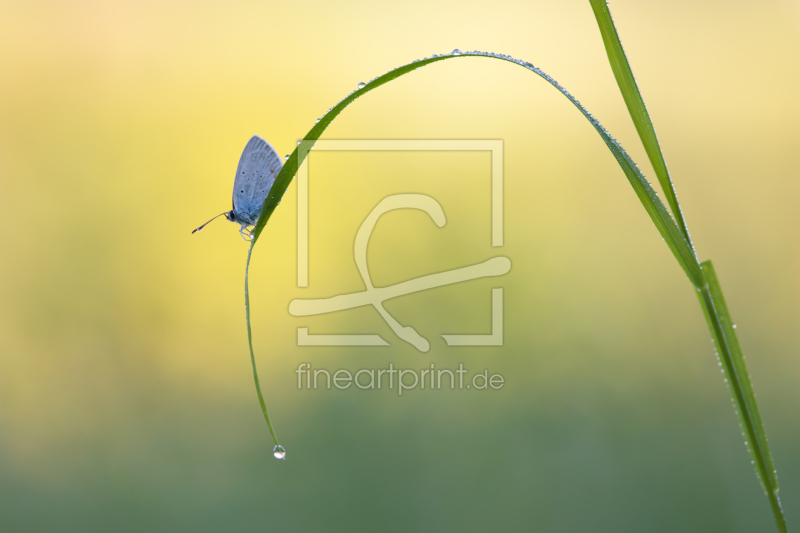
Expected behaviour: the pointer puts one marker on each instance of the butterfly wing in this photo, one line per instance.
(258, 168)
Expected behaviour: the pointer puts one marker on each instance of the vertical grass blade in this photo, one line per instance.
(637, 108)
(710, 293)
(731, 357)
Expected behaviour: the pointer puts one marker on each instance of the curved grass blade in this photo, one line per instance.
(250, 344)
(637, 108)
(660, 216)
(662, 219)
(711, 298)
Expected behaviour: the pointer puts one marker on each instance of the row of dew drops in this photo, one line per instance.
(735, 408)
(617, 149)
(607, 137)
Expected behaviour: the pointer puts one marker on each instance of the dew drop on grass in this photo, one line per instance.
(278, 452)
(361, 85)
(456, 52)
(318, 121)
(286, 157)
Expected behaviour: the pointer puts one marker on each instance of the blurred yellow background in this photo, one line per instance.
(126, 395)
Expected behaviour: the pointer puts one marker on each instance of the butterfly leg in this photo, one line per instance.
(245, 233)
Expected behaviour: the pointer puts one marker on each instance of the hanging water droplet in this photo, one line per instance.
(286, 157)
(298, 143)
(456, 52)
(318, 121)
(278, 452)
(361, 85)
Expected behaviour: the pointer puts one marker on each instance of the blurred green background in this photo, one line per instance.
(126, 395)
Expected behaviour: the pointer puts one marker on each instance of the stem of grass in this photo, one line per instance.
(710, 293)
(730, 354)
(250, 344)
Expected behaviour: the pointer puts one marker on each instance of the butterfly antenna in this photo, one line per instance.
(207, 223)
